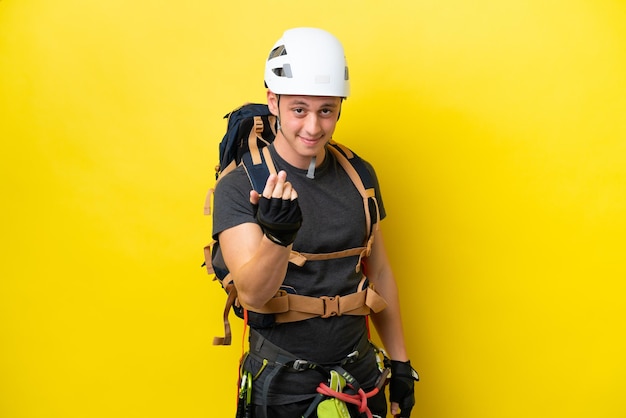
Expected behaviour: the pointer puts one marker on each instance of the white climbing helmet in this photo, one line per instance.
(308, 62)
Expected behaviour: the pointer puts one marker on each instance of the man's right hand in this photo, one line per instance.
(278, 212)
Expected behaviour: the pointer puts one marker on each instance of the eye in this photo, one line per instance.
(298, 111)
(327, 112)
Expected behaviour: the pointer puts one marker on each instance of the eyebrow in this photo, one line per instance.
(304, 103)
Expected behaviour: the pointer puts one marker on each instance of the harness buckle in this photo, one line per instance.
(331, 306)
(300, 365)
(353, 356)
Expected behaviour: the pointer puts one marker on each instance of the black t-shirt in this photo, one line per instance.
(333, 220)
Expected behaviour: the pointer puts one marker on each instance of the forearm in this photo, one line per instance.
(258, 279)
(262, 265)
(388, 322)
(256, 265)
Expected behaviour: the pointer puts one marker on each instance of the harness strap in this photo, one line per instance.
(266, 387)
(299, 258)
(255, 132)
(288, 307)
(230, 301)
(356, 170)
(264, 350)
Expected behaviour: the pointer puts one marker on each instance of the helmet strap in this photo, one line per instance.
(278, 126)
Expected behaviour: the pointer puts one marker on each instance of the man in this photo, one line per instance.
(310, 206)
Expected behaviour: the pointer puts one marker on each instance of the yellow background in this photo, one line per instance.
(498, 130)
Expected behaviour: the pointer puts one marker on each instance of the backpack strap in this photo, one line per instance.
(228, 157)
(231, 290)
(288, 307)
(259, 165)
(363, 181)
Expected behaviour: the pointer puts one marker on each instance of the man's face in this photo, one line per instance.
(307, 124)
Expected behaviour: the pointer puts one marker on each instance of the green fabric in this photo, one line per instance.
(333, 407)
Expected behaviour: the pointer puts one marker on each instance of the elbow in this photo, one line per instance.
(252, 302)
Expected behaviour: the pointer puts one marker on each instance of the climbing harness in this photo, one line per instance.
(337, 389)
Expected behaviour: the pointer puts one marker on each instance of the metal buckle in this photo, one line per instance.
(331, 306)
(352, 357)
(300, 365)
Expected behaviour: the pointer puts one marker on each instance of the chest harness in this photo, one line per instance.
(285, 306)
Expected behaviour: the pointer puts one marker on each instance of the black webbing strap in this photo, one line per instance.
(281, 362)
(263, 349)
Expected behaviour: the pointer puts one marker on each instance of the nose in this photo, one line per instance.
(312, 125)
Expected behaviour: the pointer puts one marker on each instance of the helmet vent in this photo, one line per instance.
(277, 52)
(285, 71)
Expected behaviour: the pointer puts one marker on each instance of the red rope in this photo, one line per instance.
(359, 399)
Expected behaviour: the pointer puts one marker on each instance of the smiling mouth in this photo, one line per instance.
(310, 141)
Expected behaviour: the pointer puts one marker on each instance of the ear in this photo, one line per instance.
(272, 102)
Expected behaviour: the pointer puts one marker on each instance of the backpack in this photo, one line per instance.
(250, 129)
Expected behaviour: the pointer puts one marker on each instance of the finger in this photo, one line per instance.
(287, 188)
(294, 194)
(270, 184)
(254, 197)
(395, 408)
(280, 185)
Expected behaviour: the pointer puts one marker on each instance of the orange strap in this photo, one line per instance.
(230, 301)
(288, 307)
